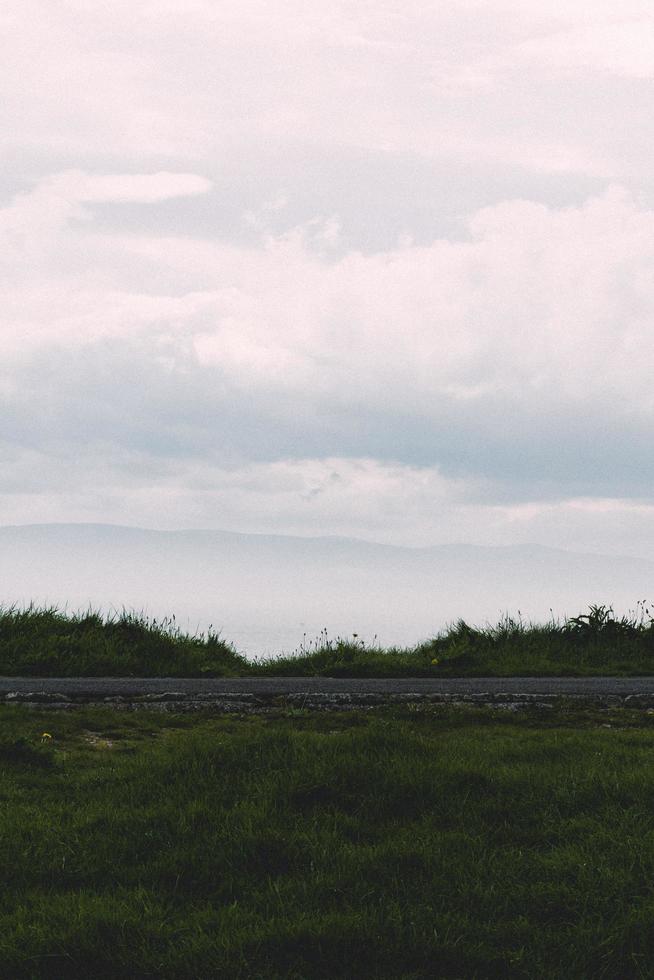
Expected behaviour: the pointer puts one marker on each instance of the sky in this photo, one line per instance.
(381, 270)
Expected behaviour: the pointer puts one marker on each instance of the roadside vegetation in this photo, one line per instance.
(390, 844)
(49, 642)
(46, 642)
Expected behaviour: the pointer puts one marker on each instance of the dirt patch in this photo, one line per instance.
(97, 740)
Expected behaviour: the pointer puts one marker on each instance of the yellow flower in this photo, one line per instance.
(435, 660)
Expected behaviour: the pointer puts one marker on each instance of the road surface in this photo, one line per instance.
(321, 693)
(277, 686)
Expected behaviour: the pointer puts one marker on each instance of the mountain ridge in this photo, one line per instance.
(269, 592)
(435, 549)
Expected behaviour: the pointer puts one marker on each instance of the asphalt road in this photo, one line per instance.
(101, 687)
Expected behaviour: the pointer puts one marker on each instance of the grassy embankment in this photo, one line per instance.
(469, 844)
(47, 642)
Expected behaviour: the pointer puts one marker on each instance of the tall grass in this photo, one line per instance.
(49, 642)
(595, 643)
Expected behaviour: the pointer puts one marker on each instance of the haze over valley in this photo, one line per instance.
(264, 592)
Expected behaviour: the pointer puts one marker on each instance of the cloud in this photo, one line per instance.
(519, 360)
(358, 497)
(389, 253)
(539, 308)
(199, 82)
(75, 185)
(624, 48)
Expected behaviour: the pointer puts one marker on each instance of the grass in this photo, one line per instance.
(48, 642)
(398, 844)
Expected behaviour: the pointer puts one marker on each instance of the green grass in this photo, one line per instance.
(469, 844)
(48, 642)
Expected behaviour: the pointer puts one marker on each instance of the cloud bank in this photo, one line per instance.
(366, 270)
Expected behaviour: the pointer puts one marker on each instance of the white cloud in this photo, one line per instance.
(287, 370)
(535, 307)
(76, 185)
(196, 80)
(624, 48)
(541, 307)
(359, 497)
(505, 366)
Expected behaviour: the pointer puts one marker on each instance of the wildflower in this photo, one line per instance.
(435, 661)
(46, 736)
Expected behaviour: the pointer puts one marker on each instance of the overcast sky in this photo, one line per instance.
(381, 269)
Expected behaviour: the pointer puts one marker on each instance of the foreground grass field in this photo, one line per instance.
(47, 642)
(459, 844)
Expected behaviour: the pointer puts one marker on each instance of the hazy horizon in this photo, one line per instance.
(437, 545)
(269, 593)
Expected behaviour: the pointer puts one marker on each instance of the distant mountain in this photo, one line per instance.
(265, 591)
